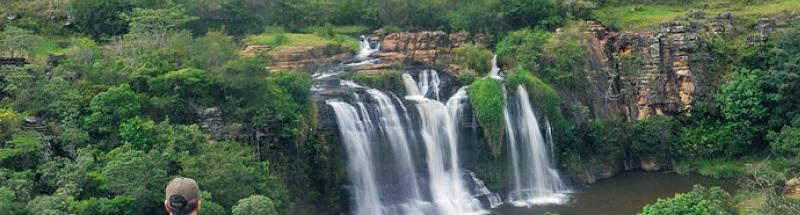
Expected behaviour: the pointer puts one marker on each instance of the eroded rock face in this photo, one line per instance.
(646, 73)
(425, 47)
(303, 58)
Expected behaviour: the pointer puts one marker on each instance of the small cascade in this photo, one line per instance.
(480, 190)
(534, 180)
(495, 73)
(364, 55)
(551, 143)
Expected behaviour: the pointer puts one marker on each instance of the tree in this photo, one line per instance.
(110, 108)
(100, 17)
(9, 122)
(224, 164)
(8, 202)
(139, 175)
(699, 201)
(255, 205)
(181, 94)
(743, 98)
(653, 138)
(787, 141)
(50, 205)
(17, 40)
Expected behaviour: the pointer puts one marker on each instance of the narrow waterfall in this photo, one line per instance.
(366, 48)
(534, 179)
(495, 73)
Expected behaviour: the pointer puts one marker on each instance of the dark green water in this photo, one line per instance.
(623, 194)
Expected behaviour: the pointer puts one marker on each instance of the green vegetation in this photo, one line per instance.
(486, 103)
(391, 80)
(475, 58)
(646, 14)
(279, 40)
(700, 201)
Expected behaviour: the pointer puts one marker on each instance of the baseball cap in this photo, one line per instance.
(183, 194)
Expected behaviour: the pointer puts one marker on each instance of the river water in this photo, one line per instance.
(623, 194)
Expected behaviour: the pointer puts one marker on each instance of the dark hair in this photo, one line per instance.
(178, 205)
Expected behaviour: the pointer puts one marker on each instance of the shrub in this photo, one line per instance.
(486, 97)
(653, 138)
(721, 169)
(522, 48)
(787, 141)
(474, 57)
(699, 201)
(714, 139)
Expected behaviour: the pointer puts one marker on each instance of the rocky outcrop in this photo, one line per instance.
(792, 188)
(425, 47)
(303, 58)
(210, 121)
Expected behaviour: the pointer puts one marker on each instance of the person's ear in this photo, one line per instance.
(166, 206)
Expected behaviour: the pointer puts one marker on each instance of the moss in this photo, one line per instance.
(544, 96)
(385, 79)
(486, 97)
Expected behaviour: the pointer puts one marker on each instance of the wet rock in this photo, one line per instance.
(650, 165)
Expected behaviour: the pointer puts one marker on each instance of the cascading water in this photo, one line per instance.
(495, 73)
(438, 132)
(534, 180)
(397, 171)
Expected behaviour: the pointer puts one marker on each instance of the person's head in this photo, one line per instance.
(183, 197)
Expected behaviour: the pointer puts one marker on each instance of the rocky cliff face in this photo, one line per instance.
(303, 58)
(425, 47)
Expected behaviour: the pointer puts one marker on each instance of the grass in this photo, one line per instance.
(291, 40)
(644, 16)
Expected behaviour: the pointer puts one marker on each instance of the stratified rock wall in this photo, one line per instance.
(645, 73)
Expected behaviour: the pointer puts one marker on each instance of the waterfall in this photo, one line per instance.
(358, 145)
(366, 48)
(397, 166)
(495, 73)
(439, 136)
(535, 181)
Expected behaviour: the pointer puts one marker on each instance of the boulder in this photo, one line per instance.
(650, 165)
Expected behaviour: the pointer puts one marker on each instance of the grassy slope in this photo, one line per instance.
(644, 16)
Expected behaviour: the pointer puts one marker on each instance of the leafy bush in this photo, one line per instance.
(715, 139)
(787, 141)
(654, 138)
(522, 48)
(699, 201)
(474, 57)
(486, 97)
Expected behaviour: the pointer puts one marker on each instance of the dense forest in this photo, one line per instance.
(102, 102)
